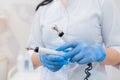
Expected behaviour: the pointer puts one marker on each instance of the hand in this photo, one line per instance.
(53, 62)
(83, 53)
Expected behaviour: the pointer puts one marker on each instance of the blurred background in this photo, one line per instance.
(15, 24)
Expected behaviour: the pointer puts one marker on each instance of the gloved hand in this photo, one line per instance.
(52, 62)
(83, 53)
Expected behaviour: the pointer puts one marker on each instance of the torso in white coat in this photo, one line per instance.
(82, 20)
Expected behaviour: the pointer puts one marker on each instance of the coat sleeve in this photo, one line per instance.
(110, 23)
(35, 38)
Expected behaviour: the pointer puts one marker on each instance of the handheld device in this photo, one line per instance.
(62, 36)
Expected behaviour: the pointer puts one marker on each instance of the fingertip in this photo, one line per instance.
(59, 49)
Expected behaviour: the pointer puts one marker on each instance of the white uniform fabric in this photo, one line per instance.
(91, 21)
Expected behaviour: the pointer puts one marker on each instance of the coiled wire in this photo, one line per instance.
(87, 71)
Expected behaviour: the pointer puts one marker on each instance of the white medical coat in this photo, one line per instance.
(91, 21)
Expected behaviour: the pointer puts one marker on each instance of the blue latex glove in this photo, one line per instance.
(83, 53)
(52, 62)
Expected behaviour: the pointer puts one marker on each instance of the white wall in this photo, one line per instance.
(20, 14)
(118, 3)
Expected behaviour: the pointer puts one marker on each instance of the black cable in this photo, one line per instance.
(87, 71)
